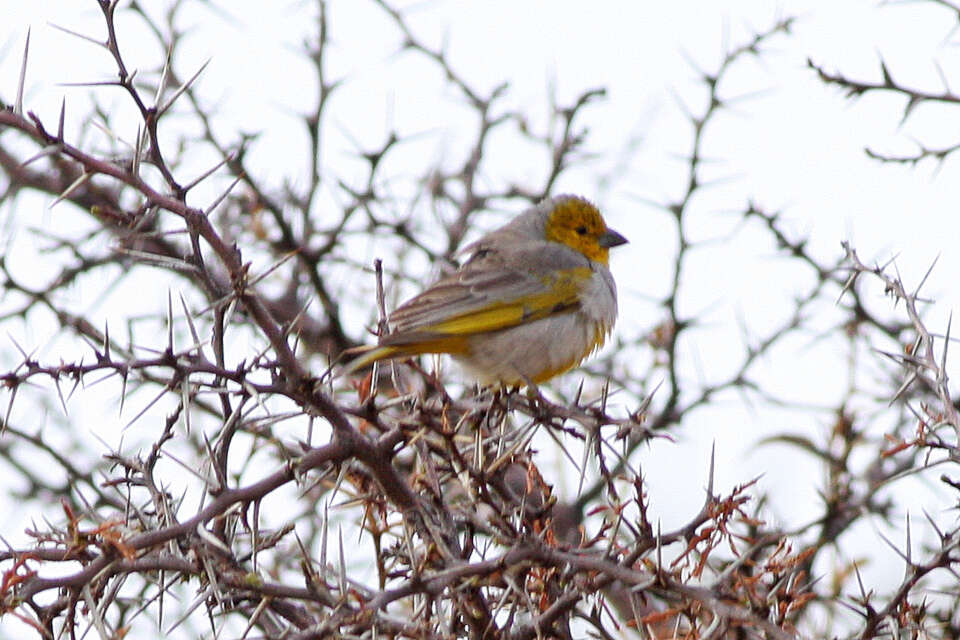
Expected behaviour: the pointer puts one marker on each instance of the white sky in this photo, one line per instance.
(790, 145)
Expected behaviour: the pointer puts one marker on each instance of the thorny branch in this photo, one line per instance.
(915, 96)
(268, 497)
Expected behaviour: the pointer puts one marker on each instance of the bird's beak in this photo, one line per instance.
(611, 238)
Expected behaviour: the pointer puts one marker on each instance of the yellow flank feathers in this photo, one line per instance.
(533, 300)
(498, 317)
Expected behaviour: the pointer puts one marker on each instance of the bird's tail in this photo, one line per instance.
(367, 355)
(404, 346)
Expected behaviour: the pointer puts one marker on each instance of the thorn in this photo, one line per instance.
(169, 322)
(123, 392)
(907, 110)
(343, 567)
(713, 457)
(220, 482)
(909, 557)
(63, 404)
(934, 525)
(863, 592)
(323, 536)
(182, 89)
(49, 150)
(76, 184)
(18, 105)
(894, 547)
(143, 411)
(6, 417)
(186, 314)
(903, 387)
(946, 345)
(887, 78)
(76, 34)
(185, 401)
(659, 547)
(164, 78)
(63, 113)
(926, 275)
(222, 196)
(211, 539)
(203, 176)
(137, 152)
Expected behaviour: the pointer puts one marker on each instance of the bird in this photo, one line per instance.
(532, 300)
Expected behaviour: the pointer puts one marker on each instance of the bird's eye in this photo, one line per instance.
(581, 230)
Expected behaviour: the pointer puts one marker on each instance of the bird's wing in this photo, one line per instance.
(493, 290)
